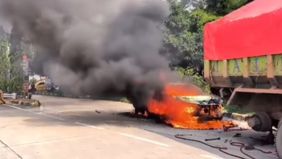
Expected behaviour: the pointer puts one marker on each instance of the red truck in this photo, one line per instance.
(243, 62)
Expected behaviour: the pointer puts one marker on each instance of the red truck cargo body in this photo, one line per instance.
(243, 62)
(253, 30)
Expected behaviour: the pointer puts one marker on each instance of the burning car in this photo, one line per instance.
(185, 106)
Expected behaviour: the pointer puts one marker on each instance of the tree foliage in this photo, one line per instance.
(183, 41)
(11, 72)
(222, 7)
(184, 36)
(4, 65)
(195, 78)
(184, 29)
(9, 81)
(16, 70)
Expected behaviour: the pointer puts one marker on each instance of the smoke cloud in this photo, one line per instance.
(95, 47)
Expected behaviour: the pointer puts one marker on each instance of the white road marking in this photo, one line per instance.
(144, 139)
(95, 127)
(39, 113)
(50, 116)
(54, 140)
(211, 157)
(89, 126)
(57, 118)
(17, 108)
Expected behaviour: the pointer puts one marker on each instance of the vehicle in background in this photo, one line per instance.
(41, 86)
(46, 86)
(243, 62)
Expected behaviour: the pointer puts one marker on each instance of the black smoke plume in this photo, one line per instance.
(95, 47)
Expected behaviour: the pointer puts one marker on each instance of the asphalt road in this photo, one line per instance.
(65, 128)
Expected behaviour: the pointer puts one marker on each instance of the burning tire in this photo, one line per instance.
(279, 140)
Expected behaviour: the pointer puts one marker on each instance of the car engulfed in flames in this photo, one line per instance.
(185, 106)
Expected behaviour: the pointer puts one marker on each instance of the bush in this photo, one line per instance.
(195, 78)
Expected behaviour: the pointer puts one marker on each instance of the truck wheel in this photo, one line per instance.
(279, 140)
(260, 122)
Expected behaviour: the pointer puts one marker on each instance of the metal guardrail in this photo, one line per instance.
(10, 95)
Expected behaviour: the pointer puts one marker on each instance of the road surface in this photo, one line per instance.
(64, 128)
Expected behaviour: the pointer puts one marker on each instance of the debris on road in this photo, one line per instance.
(213, 139)
(238, 135)
(98, 112)
(225, 147)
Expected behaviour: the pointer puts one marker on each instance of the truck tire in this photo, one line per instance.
(279, 140)
(261, 121)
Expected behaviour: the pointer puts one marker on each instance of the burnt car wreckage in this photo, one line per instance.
(209, 107)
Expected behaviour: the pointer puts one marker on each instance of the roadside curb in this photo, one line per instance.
(25, 103)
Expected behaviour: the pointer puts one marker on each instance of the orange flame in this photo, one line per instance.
(181, 114)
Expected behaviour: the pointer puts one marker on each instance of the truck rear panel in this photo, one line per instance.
(254, 72)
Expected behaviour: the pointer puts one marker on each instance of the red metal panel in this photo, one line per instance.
(253, 30)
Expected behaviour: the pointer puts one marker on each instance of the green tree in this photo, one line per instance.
(4, 65)
(195, 78)
(184, 35)
(11, 75)
(183, 41)
(223, 7)
(15, 56)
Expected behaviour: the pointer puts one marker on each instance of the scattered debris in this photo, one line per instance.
(225, 149)
(213, 139)
(249, 147)
(238, 135)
